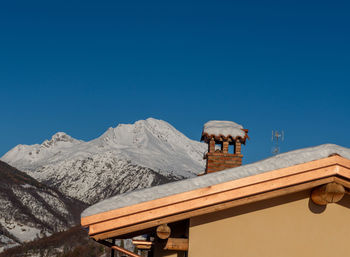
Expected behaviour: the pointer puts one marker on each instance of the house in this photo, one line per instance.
(292, 204)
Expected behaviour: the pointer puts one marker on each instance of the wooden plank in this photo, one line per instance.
(342, 181)
(142, 244)
(344, 171)
(344, 162)
(259, 178)
(176, 244)
(212, 199)
(214, 208)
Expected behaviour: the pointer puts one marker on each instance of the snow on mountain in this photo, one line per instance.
(127, 157)
(32, 156)
(29, 209)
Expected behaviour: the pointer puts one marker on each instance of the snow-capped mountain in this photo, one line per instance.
(127, 157)
(29, 209)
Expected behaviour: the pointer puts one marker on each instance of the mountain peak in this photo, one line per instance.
(154, 121)
(59, 137)
(147, 121)
(148, 134)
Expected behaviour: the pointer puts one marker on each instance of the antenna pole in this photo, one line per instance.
(277, 137)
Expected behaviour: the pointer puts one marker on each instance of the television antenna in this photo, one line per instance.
(276, 138)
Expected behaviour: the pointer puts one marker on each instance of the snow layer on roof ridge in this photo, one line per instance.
(225, 128)
(276, 162)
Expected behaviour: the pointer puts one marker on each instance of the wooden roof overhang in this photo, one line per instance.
(145, 215)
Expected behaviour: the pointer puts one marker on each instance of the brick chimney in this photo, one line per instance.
(224, 139)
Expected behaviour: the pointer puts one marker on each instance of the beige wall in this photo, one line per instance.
(289, 226)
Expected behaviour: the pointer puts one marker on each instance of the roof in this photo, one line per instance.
(276, 162)
(179, 199)
(219, 129)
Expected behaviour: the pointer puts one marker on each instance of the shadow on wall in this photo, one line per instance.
(315, 208)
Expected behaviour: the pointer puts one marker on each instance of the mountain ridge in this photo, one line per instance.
(128, 157)
(29, 209)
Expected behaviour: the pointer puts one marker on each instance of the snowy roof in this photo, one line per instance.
(277, 162)
(223, 128)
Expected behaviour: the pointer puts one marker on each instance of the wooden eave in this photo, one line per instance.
(233, 193)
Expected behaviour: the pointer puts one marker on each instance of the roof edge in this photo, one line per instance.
(132, 229)
(240, 188)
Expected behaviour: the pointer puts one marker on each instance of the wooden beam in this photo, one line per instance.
(176, 244)
(163, 231)
(142, 244)
(143, 247)
(329, 193)
(213, 208)
(343, 171)
(342, 181)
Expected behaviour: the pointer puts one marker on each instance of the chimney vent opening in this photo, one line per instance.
(224, 139)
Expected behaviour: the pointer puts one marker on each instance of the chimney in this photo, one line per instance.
(224, 139)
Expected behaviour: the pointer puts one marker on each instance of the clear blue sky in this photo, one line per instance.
(83, 66)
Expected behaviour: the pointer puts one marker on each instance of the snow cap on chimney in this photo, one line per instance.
(220, 135)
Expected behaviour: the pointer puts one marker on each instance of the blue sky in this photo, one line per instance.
(83, 66)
